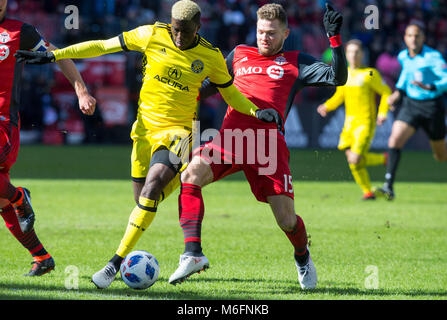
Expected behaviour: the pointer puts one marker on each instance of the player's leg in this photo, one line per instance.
(357, 165)
(293, 227)
(207, 165)
(16, 205)
(162, 178)
(436, 130)
(360, 141)
(439, 149)
(191, 211)
(140, 219)
(42, 260)
(19, 197)
(400, 133)
(138, 185)
(375, 159)
(151, 157)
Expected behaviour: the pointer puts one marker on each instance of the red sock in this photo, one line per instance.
(28, 240)
(7, 190)
(298, 237)
(191, 211)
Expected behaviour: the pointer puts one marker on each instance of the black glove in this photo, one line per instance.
(34, 57)
(270, 115)
(332, 21)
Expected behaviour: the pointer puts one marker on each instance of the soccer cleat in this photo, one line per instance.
(104, 277)
(41, 267)
(386, 192)
(24, 211)
(188, 265)
(369, 196)
(307, 274)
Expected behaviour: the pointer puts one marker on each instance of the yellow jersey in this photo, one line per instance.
(172, 77)
(359, 95)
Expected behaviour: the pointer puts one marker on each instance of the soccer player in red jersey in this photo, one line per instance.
(270, 78)
(15, 202)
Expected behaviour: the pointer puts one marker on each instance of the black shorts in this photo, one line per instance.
(426, 114)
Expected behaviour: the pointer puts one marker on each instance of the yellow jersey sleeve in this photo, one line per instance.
(88, 49)
(219, 75)
(138, 38)
(336, 100)
(381, 88)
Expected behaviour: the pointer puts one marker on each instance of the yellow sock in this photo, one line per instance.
(140, 219)
(361, 176)
(374, 159)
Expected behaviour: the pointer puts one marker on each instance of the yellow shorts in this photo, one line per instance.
(146, 141)
(357, 137)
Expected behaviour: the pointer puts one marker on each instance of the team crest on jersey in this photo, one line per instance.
(197, 66)
(4, 37)
(280, 60)
(4, 52)
(275, 72)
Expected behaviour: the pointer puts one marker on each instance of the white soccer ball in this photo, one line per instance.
(139, 270)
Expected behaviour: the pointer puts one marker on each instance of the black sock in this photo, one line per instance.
(391, 168)
(116, 260)
(193, 247)
(302, 260)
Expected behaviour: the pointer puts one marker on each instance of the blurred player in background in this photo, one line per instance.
(361, 116)
(278, 77)
(176, 61)
(420, 89)
(16, 202)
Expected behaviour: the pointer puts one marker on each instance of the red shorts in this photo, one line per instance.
(9, 146)
(262, 155)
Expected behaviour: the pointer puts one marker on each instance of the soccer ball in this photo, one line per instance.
(139, 270)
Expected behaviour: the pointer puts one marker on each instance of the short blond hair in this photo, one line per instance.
(356, 42)
(273, 11)
(185, 10)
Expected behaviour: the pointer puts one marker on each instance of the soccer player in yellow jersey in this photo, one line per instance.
(359, 97)
(176, 62)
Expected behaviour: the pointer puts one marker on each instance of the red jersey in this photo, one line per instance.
(273, 82)
(265, 81)
(14, 35)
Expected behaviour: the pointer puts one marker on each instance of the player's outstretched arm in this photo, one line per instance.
(316, 73)
(87, 103)
(88, 49)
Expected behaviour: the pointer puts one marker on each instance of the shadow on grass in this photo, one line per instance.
(290, 287)
(252, 287)
(107, 294)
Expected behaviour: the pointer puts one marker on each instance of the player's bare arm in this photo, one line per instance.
(87, 103)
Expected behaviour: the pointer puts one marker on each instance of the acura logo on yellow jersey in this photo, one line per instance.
(197, 66)
(175, 73)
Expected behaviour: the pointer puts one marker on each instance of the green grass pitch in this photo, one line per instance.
(362, 250)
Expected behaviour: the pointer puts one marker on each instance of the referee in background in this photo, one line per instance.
(420, 87)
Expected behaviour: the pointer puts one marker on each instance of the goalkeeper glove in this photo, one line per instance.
(34, 57)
